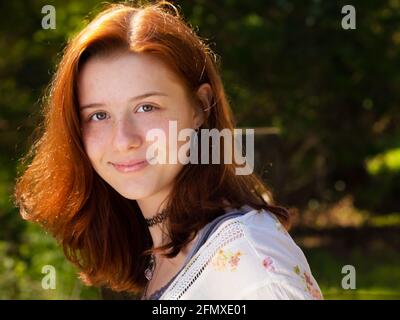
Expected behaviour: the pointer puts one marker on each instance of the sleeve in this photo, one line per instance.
(287, 275)
(273, 290)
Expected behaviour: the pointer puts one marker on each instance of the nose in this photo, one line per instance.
(126, 135)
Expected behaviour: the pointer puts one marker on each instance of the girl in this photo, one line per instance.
(159, 230)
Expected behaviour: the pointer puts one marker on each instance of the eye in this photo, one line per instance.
(102, 116)
(146, 108)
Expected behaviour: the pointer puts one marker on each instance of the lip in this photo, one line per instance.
(130, 166)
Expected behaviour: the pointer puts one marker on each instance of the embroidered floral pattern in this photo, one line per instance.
(268, 264)
(309, 284)
(226, 260)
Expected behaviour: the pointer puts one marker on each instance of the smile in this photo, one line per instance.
(131, 168)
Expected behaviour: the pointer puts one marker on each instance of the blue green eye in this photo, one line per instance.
(146, 108)
(98, 118)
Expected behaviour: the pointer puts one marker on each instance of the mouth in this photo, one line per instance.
(130, 167)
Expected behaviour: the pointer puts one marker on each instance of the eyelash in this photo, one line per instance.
(153, 107)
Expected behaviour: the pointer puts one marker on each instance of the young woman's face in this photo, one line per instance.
(121, 98)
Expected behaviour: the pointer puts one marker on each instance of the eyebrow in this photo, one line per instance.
(142, 96)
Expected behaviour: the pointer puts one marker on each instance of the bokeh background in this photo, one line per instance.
(325, 103)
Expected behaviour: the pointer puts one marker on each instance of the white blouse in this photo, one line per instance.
(250, 256)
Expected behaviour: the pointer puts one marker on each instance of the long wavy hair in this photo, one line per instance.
(100, 231)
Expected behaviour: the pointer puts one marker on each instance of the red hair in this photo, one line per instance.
(101, 232)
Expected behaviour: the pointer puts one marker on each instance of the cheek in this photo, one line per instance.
(95, 142)
(172, 144)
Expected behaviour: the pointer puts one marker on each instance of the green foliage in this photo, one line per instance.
(21, 270)
(388, 161)
(377, 272)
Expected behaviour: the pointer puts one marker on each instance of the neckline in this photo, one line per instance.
(156, 294)
(228, 211)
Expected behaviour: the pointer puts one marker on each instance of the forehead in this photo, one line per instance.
(122, 75)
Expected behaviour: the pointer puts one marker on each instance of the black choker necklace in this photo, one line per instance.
(159, 217)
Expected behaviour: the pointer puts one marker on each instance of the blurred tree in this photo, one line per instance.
(332, 92)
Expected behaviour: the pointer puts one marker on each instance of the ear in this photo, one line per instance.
(205, 95)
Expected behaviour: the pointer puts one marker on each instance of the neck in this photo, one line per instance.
(151, 206)
(158, 235)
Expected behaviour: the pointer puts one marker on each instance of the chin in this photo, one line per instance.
(130, 187)
(134, 192)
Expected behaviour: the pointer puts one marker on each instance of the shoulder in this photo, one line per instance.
(261, 229)
(264, 256)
